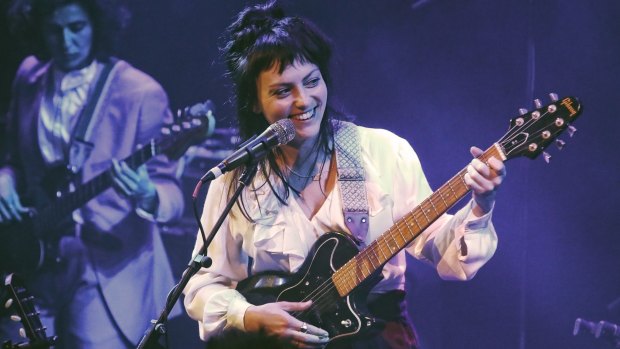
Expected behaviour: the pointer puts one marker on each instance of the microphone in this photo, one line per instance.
(280, 132)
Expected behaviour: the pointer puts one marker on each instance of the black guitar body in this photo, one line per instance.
(21, 250)
(342, 317)
(32, 242)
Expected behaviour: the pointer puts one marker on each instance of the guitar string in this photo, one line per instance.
(322, 291)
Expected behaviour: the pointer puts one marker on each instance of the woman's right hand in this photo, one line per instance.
(274, 318)
(11, 208)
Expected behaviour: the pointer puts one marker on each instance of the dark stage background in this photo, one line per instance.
(446, 75)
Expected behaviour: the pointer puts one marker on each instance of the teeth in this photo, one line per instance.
(305, 116)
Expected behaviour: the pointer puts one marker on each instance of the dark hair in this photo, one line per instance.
(261, 38)
(108, 17)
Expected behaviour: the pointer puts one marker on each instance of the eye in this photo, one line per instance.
(313, 82)
(281, 92)
(77, 27)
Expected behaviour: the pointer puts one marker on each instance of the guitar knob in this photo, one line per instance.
(538, 103)
(560, 143)
(554, 96)
(346, 323)
(522, 111)
(571, 130)
(546, 157)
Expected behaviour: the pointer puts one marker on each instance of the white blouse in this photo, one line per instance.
(281, 236)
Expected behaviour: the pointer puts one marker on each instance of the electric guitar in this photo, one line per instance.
(337, 276)
(28, 244)
(22, 303)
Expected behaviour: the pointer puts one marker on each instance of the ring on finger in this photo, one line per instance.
(304, 328)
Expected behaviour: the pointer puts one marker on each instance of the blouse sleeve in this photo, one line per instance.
(210, 295)
(457, 245)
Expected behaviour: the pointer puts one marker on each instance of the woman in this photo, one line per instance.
(280, 68)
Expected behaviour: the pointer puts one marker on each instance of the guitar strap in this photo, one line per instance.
(351, 179)
(79, 148)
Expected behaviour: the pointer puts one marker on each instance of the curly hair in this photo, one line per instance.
(108, 17)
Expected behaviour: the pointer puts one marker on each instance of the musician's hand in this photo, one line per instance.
(136, 185)
(10, 206)
(484, 180)
(275, 319)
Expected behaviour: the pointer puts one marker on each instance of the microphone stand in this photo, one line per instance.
(151, 338)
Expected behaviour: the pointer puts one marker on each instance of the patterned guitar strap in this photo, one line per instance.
(351, 179)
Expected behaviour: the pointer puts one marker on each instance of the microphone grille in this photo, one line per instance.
(284, 129)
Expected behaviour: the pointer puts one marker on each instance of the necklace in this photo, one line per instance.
(313, 176)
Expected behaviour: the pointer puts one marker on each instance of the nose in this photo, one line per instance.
(302, 99)
(67, 39)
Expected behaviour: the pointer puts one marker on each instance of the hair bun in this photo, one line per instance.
(257, 19)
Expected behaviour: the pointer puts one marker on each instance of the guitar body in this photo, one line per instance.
(22, 249)
(341, 317)
(30, 244)
(337, 276)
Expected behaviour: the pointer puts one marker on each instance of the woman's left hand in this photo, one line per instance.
(484, 179)
(136, 185)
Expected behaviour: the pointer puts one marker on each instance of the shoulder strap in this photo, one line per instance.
(87, 112)
(351, 179)
(79, 149)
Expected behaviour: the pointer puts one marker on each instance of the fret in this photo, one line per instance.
(363, 260)
(451, 189)
(409, 229)
(396, 244)
(397, 225)
(442, 199)
(423, 211)
(381, 249)
(433, 205)
(371, 254)
(462, 178)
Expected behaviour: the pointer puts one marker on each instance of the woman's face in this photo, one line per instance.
(298, 94)
(68, 35)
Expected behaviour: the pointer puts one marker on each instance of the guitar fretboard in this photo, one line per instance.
(375, 255)
(63, 206)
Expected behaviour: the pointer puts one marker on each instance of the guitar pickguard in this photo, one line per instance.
(341, 317)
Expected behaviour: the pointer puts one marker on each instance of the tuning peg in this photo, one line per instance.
(15, 318)
(571, 130)
(22, 332)
(8, 303)
(537, 103)
(522, 111)
(560, 143)
(554, 97)
(546, 157)
(179, 114)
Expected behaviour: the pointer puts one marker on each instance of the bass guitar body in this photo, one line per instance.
(341, 316)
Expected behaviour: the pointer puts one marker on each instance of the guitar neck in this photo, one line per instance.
(392, 241)
(64, 205)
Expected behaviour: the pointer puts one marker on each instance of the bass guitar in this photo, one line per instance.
(337, 276)
(28, 244)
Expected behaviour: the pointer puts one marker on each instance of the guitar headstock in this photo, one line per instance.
(22, 304)
(192, 125)
(531, 132)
